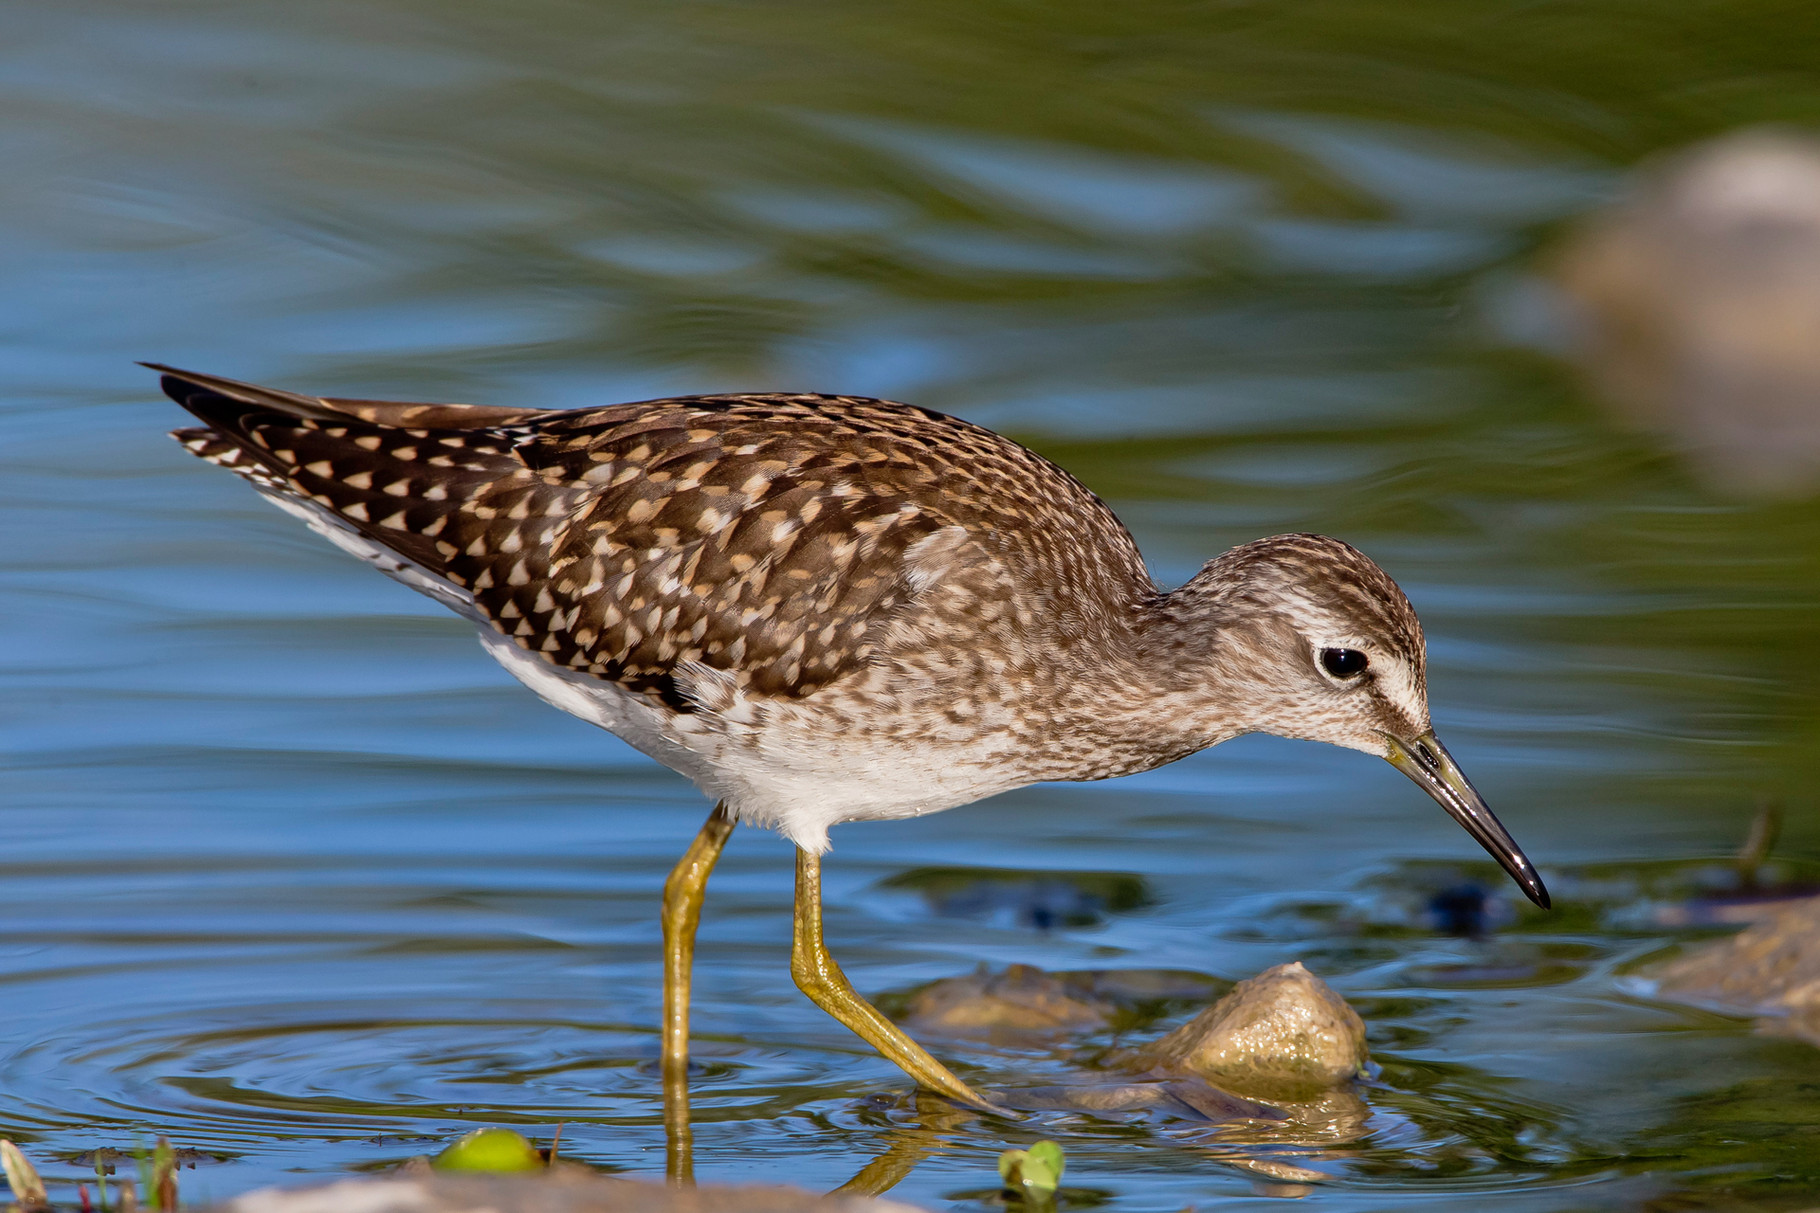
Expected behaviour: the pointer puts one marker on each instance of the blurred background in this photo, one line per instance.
(291, 872)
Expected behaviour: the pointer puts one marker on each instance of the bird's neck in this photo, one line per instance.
(1184, 677)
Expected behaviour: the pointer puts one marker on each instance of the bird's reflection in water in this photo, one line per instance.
(933, 1121)
(1269, 1148)
(679, 1136)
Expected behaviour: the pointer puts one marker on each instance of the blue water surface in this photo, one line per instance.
(293, 874)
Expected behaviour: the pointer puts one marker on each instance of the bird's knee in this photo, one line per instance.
(682, 897)
(810, 980)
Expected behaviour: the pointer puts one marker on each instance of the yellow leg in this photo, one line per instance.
(820, 978)
(683, 893)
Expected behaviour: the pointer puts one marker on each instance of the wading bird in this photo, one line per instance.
(825, 609)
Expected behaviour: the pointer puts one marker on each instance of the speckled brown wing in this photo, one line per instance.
(771, 537)
(364, 463)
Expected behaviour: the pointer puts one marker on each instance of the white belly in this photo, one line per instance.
(775, 774)
(772, 772)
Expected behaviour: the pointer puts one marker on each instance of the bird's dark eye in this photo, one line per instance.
(1343, 663)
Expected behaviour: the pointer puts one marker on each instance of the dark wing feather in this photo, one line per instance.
(770, 537)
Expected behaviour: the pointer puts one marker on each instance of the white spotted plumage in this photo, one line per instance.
(820, 609)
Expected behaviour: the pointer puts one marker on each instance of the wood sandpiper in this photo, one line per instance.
(825, 609)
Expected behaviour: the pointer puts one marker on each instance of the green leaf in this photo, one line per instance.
(1038, 1179)
(495, 1150)
(1050, 1156)
(1035, 1172)
(161, 1188)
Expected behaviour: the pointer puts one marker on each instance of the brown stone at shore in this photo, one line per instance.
(1695, 306)
(563, 1190)
(1771, 969)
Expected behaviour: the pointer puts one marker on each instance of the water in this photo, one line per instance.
(295, 875)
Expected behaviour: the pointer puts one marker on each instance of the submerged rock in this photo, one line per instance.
(564, 1190)
(1190, 1099)
(1022, 1000)
(1042, 900)
(1027, 1004)
(1771, 969)
(1284, 1034)
(1271, 1063)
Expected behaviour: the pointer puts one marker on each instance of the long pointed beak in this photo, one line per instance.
(1427, 761)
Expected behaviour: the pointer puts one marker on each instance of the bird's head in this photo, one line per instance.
(1317, 642)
